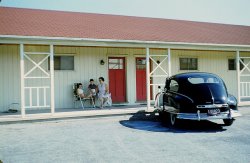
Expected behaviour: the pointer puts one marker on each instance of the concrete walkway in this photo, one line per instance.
(44, 114)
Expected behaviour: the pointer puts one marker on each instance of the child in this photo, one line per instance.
(92, 87)
(79, 91)
(92, 90)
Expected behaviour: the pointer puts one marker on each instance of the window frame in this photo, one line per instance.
(121, 66)
(173, 86)
(142, 65)
(235, 64)
(188, 59)
(62, 55)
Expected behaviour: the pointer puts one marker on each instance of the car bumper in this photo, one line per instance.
(204, 116)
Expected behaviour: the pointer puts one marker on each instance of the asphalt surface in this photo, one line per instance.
(137, 138)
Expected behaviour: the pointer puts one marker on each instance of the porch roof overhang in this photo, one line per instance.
(68, 41)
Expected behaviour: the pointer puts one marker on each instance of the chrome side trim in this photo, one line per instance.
(183, 96)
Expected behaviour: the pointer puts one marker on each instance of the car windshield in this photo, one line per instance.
(202, 80)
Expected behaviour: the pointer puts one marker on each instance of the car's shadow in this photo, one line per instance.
(151, 122)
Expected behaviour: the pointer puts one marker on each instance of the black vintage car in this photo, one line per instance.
(196, 96)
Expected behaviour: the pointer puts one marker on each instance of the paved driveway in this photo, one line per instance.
(125, 139)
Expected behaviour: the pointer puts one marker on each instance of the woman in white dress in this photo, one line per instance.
(103, 91)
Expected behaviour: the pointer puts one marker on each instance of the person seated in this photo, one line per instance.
(103, 92)
(79, 91)
(92, 90)
(92, 87)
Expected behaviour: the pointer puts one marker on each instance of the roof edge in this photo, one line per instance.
(139, 42)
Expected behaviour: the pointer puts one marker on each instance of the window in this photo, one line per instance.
(232, 64)
(63, 63)
(200, 80)
(188, 64)
(173, 86)
(116, 63)
(141, 64)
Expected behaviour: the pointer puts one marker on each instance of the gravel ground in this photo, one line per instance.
(135, 138)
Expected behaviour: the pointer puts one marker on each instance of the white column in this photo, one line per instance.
(238, 74)
(52, 87)
(22, 80)
(148, 77)
(169, 62)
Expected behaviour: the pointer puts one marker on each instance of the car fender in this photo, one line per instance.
(232, 102)
(171, 101)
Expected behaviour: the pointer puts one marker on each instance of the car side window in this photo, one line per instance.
(174, 86)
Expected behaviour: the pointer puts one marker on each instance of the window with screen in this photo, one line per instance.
(62, 63)
(232, 64)
(188, 63)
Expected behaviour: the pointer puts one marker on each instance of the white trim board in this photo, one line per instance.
(118, 43)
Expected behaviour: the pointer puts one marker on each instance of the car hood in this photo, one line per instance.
(206, 94)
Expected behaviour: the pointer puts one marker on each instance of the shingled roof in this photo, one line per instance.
(48, 23)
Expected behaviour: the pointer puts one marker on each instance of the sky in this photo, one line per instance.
(216, 11)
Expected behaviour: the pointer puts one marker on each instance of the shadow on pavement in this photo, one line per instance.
(150, 122)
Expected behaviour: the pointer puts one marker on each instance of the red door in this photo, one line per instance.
(117, 85)
(141, 92)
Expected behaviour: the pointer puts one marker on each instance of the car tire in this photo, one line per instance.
(228, 122)
(162, 116)
(168, 119)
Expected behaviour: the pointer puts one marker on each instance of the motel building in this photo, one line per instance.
(43, 53)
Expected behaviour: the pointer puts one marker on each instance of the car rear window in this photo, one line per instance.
(201, 80)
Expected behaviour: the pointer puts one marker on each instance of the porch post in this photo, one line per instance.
(148, 77)
(22, 80)
(169, 62)
(238, 75)
(52, 87)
